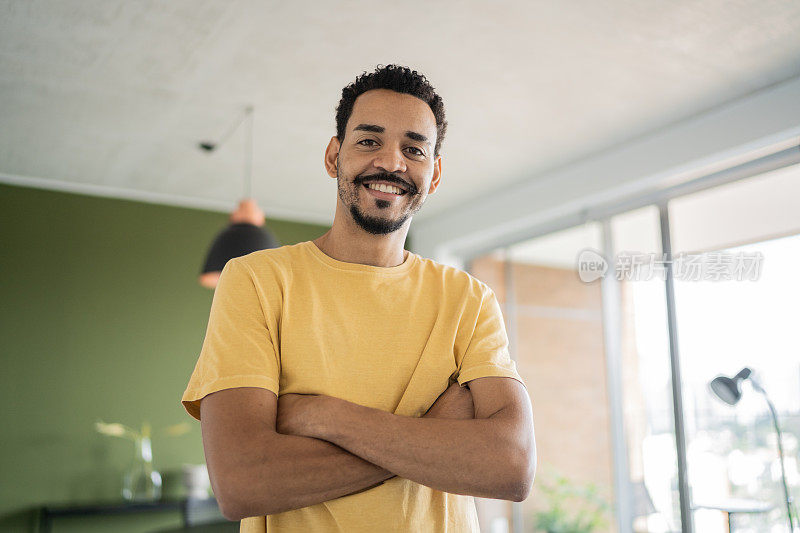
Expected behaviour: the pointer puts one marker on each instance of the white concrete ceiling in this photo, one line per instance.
(111, 97)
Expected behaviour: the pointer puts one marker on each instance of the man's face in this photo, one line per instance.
(388, 143)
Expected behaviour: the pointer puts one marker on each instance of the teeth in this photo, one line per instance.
(384, 188)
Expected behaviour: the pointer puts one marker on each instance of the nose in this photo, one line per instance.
(390, 159)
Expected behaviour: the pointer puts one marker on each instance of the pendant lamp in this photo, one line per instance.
(246, 232)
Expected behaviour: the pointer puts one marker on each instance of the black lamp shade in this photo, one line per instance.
(729, 390)
(235, 241)
(726, 389)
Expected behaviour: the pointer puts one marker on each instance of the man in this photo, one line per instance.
(346, 384)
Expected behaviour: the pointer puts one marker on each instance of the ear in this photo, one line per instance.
(437, 175)
(332, 157)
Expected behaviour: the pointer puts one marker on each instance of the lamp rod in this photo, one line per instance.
(248, 153)
(789, 504)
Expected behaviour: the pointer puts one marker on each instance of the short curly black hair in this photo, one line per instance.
(395, 78)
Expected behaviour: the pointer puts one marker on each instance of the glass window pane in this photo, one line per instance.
(737, 307)
(646, 375)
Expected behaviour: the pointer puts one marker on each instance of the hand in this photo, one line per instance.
(454, 403)
(295, 414)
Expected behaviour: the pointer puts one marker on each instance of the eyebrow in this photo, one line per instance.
(374, 128)
(413, 135)
(370, 127)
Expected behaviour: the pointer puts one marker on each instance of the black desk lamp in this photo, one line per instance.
(729, 390)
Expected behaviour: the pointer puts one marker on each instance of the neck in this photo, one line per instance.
(347, 242)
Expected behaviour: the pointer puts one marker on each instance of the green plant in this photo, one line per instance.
(570, 508)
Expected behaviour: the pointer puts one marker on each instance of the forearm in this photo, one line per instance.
(291, 472)
(481, 457)
(285, 470)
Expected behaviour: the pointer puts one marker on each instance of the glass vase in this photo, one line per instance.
(141, 483)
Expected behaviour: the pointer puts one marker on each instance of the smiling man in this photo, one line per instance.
(346, 384)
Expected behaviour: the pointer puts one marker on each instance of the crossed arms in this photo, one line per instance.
(267, 455)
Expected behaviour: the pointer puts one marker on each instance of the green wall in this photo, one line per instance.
(101, 318)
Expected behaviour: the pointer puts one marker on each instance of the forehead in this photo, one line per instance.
(393, 110)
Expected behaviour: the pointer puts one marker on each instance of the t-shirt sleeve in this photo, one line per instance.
(487, 353)
(239, 346)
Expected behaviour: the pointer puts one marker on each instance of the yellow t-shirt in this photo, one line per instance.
(294, 320)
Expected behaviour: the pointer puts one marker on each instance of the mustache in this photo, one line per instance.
(389, 178)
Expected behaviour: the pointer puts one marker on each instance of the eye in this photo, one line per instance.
(416, 151)
(365, 142)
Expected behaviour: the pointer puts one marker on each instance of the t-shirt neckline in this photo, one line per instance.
(359, 267)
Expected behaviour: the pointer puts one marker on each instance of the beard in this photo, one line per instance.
(350, 191)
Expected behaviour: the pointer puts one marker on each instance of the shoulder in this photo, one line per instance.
(281, 258)
(269, 267)
(454, 278)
